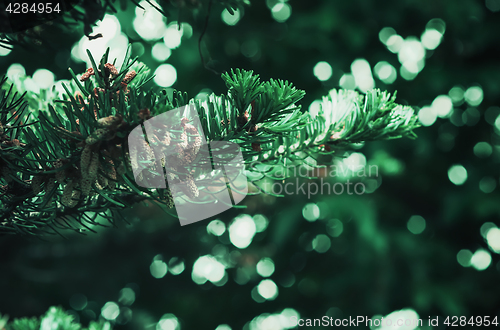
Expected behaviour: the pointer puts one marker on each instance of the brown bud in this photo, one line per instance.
(192, 190)
(111, 69)
(129, 76)
(86, 75)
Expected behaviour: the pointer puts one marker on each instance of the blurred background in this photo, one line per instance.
(422, 241)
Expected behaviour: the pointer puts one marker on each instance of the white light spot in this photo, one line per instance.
(44, 78)
(427, 116)
(172, 37)
(431, 38)
(394, 43)
(281, 11)
(268, 289)
(110, 310)
(493, 238)
(385, 34)
(321, 243)
(481, 259)
(347, 81)
(261, 222)
(216, 227)
(362, 73)
(393, 319)
(165, 75)
(385, 72)
(265, 267)
(442, 105)
(176, 266)
(207, 268)
(158, 268)
(457, 174)
(474, 95)
(456, 94)
(160, 52)
(323, 71)
(5, 51)
(223, 327)
(231, 19)
(242, 231)
(310, 212)
(15, 71)
(168, 322)
(149, 23)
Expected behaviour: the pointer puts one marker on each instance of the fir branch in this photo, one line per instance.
(75, 159)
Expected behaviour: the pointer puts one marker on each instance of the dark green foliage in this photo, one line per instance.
(71, 166)
(55, 319)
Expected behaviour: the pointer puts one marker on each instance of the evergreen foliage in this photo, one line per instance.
(70, 165)
(55, 319)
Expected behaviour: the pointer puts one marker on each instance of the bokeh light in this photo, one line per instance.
(5, 51)
(443, 106)
(347, 81)
(310, 212)
(160, 52)
(168, 322)
(216, 227)
(231, 19)
(385, 72)
(474, 95)
(110, 310)
(44, 78)
(427, 116)
(112, 37)
(165, 75)
(464, 257)
(385, 34)
(493, 238)
(265, 267)
(242, 230)
(323, 71)
(172, 36)
(334, 227)
(176, 266)
(281, 12)
(487, 184)
(268, 289)
(493, 5)
(362, 73)
(15, 71)
(149, 23)
(431, 38)
(416, 224)
(261, 222)
(207, 268)
(158, 268)
(483, 149)
(457, 174)
(481, 259)
(321, 243)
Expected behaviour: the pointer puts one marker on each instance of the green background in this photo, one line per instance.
(375, 265)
